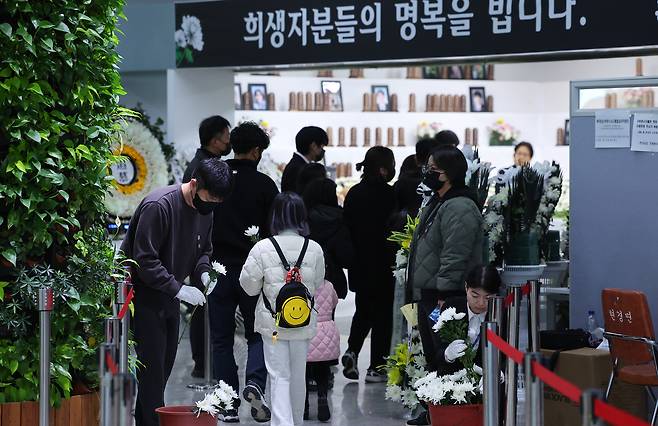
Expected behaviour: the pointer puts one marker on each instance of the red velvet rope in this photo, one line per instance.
(602, 410)
(126, 305)
(111, 364)
(525, 290)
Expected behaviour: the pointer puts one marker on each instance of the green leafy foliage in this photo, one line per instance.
(59, 89)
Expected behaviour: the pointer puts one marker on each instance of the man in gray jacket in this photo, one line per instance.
(447, 243)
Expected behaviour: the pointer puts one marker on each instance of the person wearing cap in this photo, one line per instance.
(310, 143)
(368, 211)
(169, 239)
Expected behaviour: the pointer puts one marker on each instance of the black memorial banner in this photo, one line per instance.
(252, 33)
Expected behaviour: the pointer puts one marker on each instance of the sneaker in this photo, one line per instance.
(229, 416)
(323, 409)
(423, 419)
(259, 410)
(350, 365)
(374, 376)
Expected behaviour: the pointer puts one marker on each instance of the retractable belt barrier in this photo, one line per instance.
(602, 410)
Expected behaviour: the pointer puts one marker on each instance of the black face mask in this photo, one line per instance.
(227, 151)
(320, 155)
(203, 207)
(390, 174)
(432, 181)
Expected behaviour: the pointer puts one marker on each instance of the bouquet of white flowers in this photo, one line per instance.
(220, 399)
(452, 389)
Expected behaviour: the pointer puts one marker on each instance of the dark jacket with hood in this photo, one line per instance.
(328, 229)
(447, 243)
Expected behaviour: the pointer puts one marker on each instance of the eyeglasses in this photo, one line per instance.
(428, 169)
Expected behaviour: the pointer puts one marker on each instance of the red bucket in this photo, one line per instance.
(183, 415)
(457, 415)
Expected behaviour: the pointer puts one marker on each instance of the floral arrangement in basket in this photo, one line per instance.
(503, 134)
(477, 178)
(220, 399)
(426, 129)
(462, 387)
(525, 202)
(403, 368)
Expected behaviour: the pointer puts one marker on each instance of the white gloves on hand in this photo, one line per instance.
(455, 350)
(207, 283)
(191, 295)
(479, 371)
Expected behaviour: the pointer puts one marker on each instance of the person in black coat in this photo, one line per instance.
(215, 142)
(310, 143)
(329, 230)
(249, 205)
(482, 282)
(369, 206)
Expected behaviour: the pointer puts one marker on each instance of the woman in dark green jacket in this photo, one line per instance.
(447, 243)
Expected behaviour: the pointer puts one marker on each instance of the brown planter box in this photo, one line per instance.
(80, 410)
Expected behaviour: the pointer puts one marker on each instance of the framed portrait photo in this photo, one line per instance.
(479, 72)
(478, 99)
(456, 72)
(258, 96)
(237, 96)
(381, 98)
(334, 90)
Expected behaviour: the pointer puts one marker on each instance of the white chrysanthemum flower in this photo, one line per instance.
(394, 393)
(252, 231)
(219, 268)
(191, 26)
(401, 258)
(179, 37)
(208, 405)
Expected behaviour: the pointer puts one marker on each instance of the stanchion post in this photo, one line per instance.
(45, 307)
(513, 340)
(496, 311)
(490, 358)
(534, 388)
(122, 291)
(109, 406)
(587, 407)
(208, 382)
(533, 316)
(124, 383)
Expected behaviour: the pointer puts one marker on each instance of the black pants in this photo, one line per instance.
(428, 302)
(320, 372)
(374, 311)
(156, 324)
(223, 302)
(197, 337)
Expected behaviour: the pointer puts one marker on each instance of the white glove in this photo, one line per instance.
(191, 295)
(455, 350)
(205, 280)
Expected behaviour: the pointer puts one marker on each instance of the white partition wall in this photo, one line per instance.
(192, 95)
(614, 206)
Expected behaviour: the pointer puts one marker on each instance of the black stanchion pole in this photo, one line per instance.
(512, 339)
(45, 307)
(534, 388)
(587, 407)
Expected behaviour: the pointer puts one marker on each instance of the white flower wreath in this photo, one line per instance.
(143, 169)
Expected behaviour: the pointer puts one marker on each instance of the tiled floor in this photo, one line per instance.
(352, 403)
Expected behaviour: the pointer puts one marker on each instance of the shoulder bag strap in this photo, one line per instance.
(302, 254)
(277, 247)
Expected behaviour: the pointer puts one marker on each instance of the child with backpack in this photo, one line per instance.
(285, 270)
(324, 349)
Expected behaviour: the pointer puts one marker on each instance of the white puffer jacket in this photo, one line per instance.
(264, 271)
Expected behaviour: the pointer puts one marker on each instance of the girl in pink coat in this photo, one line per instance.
(324, 349)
